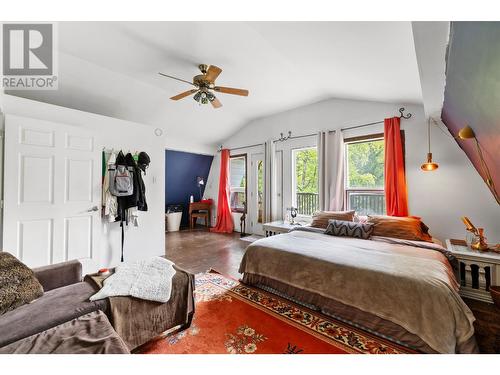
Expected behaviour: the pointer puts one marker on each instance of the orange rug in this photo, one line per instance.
(233, 318)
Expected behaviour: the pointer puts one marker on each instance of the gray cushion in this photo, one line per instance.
(89, 334)
(53, 308)
(349, 229)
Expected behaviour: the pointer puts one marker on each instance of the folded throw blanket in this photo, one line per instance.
(149, 279)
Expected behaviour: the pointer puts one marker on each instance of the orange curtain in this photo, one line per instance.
(396, 196)
(224, 217)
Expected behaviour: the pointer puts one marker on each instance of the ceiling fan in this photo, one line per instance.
(205, 85)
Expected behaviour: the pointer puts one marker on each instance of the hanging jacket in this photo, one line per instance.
(138, 198)
(108, 200)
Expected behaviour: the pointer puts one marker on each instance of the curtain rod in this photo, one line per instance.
(401, 116)
(239, 148)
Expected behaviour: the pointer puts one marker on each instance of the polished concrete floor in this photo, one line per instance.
(199, 250)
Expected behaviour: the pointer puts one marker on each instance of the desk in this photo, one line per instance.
(199, 210)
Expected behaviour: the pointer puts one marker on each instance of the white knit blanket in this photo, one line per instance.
(149, 279)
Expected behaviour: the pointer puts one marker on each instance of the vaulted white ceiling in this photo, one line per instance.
(111, 69)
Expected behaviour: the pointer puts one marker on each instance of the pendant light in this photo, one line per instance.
(429, 165)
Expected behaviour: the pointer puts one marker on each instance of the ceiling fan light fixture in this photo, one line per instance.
(197, 96)
(204, 84)
(210, 96)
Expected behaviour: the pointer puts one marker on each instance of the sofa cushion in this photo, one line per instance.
(89, 334)
(53, 308)
(18, 284)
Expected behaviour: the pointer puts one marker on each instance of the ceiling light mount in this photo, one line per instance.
(203, 68)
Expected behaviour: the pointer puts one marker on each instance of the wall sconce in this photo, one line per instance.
(467, 133)
(429, 165)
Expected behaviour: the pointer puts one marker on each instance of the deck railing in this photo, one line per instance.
(307, 203)
(364, 203)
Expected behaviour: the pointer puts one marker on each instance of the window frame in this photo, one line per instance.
(294, 177)
(361, 190)
(239, 210)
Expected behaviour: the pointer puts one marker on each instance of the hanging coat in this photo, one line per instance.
(109, 201)
(138, 198)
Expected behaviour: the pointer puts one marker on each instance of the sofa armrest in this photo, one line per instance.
(59, 275)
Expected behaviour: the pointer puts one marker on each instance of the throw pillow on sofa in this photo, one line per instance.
(18, 284)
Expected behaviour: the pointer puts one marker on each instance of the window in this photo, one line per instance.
(238, 181)
(364, 184)
(305, 180)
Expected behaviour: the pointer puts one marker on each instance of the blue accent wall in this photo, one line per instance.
(181, 171)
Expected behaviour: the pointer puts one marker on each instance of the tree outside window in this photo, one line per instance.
(365, 176)
(305, 180)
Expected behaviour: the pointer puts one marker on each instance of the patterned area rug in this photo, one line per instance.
(232, 318)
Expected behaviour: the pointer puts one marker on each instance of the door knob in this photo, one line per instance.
(93, 209)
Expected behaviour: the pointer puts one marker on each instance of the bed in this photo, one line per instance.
(402, 290)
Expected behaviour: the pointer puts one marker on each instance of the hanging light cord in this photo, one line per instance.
(429, 133)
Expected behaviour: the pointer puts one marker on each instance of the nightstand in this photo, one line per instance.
(277, 227)
(477, 270)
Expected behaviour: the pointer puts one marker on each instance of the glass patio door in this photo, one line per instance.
(256, 199)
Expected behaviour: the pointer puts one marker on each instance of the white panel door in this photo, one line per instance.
(52, 191)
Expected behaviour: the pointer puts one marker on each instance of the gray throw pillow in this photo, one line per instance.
(349, 229)
(18, 284)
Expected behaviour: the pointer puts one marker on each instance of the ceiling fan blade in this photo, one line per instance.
(178, 79)
(230, 90)
(184, 94)
(212, 73)
(216, 103)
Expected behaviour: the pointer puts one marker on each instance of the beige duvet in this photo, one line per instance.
(410, 286)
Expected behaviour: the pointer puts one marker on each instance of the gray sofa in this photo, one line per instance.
(65, 298)
(63, 320)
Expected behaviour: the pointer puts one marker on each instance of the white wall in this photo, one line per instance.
(439, 197)
(149, 238)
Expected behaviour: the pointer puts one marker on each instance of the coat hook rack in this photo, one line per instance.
(282, 138)
(402, 115)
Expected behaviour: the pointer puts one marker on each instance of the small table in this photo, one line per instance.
(199, 210)
(277, 227)
(478, 270)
